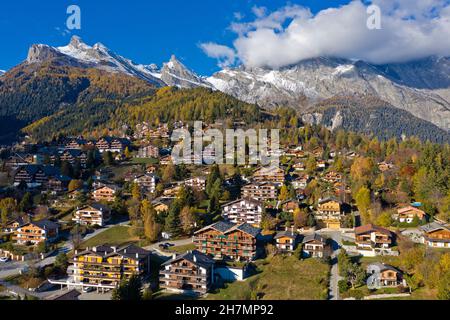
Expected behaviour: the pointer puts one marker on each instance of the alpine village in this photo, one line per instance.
(93, 205)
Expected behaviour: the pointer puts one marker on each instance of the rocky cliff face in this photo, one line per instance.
(410, 87)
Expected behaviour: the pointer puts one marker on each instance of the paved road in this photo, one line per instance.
(22, 292)
(336, 237)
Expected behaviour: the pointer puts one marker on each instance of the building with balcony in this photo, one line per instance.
(229, 241)
(36, 232)
(191, 272)
(106, 266)
(372, 240)
(330, 213)
(105, 193)
(436, 235)
(315, 246)
(286, 241)
(95, 214)
(243, 211)
(274, 175)
(264, 191)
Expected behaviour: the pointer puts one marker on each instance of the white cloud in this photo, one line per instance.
(225, 55)
(410, 30)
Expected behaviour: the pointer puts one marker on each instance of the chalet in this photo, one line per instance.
(332, 177)
(73, 155)
(295, 152)
(147, 182)
(148, 152)
(409, 213)
(13, 225)
(58, 183)
(385, 166)
(299, 166)
(161, 206)
(286, 241)
(274, 175)
(330, 213)
(171, 192)
(105, 193)
(191, 272)
(382, 275)
(317, 152)
(106, 266)
(36, 232)
(75, 143)
(321, 164)
(112, 144)
(300, 182)
(315, 246)
(197, 183)
(372, 240)
(289, 205)
(35, 176)
(243, 211)
(225, 240)
(264, 191)
(15, 161)
(436, 235)
(95, 214)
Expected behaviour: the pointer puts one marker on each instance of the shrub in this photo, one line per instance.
(343, 286)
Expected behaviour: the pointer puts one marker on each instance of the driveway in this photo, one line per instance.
(177, 243)
(336, 236)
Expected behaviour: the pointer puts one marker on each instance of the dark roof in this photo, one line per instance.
(290, 234)
(433, 226)
(97, 206)
(327, 199)
(226, 227)
(32, 169)
(313, 237)
(196, 257)
(45, 224)
(383, 267)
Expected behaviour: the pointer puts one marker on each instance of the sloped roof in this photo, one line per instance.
(195, 257)
(370, 228)
(313, 237)
(433, 226)
(45, 224)
(289, 234)
(227, 227)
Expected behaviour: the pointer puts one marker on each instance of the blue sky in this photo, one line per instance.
(145, 31)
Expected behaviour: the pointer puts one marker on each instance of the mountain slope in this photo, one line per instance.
(411, 87)
(372, 116)
(33, 91)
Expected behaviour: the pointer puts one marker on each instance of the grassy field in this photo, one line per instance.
(147, 161)
(280, 278)
(182, 249)
(113, 236)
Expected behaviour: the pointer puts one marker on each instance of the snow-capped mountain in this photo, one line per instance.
(421, 87)
(174, 73)
(2, 72)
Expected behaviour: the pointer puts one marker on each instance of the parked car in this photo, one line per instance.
(87, 289)
(4, 259)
